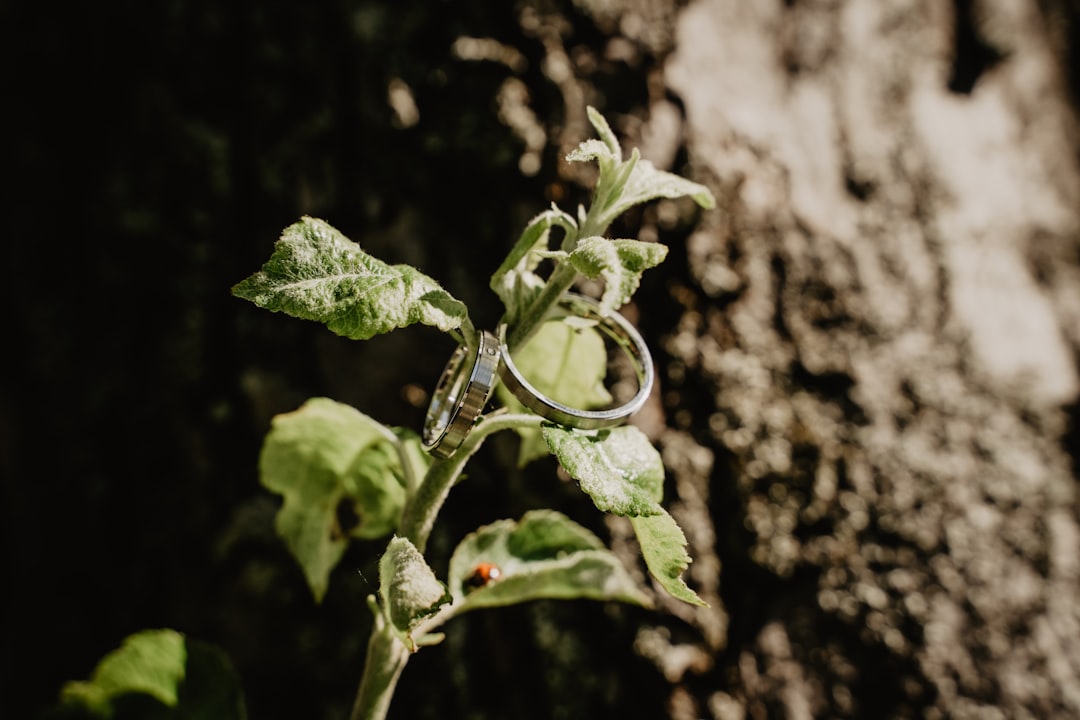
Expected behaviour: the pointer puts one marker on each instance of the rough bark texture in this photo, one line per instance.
(875, 376)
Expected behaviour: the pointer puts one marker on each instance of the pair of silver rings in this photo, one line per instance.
(469, 379)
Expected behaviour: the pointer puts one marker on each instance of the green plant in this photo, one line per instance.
(344, 475)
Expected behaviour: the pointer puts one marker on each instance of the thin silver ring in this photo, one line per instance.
(616, 327)
(464, 388)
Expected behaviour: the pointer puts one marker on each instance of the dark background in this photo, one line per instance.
(154, 152)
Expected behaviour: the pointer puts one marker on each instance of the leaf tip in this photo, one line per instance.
(603, 129)
(705, 199)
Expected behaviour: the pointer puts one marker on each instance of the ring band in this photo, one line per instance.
(464, 389)
(616, 327)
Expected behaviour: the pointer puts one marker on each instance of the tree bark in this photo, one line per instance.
(874, 379)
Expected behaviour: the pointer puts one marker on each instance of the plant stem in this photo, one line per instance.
(422, 509)
(386, 654)
(386, 658)
(407, 467)
(561, 279)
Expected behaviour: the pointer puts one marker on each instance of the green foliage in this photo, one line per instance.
(151, 662)
(543, 555)
(618, 468)
(664, 547)
(624, 474)
(408, 588)
(620, 262)
(326, 457)
(340, 476)
(159, 674)
(316, 273)
(565, 363)
(515, 282)
(625, 183)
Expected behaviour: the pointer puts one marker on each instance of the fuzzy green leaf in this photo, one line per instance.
(663, 546)
(543, 555)
(316, 273)
(620, 262)
(339, 476)
(567, 364)
(408, 588)
(604, 131)
(647, 183)
(623, 184)
(618, 468)
(606, 151)
(592, 150)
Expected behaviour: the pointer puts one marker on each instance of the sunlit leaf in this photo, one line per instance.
(316, 273)
(339, 476)
(607, 136)
(620, 262)
(663, 546)
(647, 183)
(625, 183)
(618, 468)
(591, 150)
(543, 555)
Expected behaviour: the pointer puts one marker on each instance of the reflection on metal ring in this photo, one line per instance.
(464, 389)
(615, 327)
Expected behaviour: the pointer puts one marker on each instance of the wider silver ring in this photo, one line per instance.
(464, 389)
(615, 327)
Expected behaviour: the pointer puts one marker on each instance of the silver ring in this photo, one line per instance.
(616, 327)
(464, 389)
